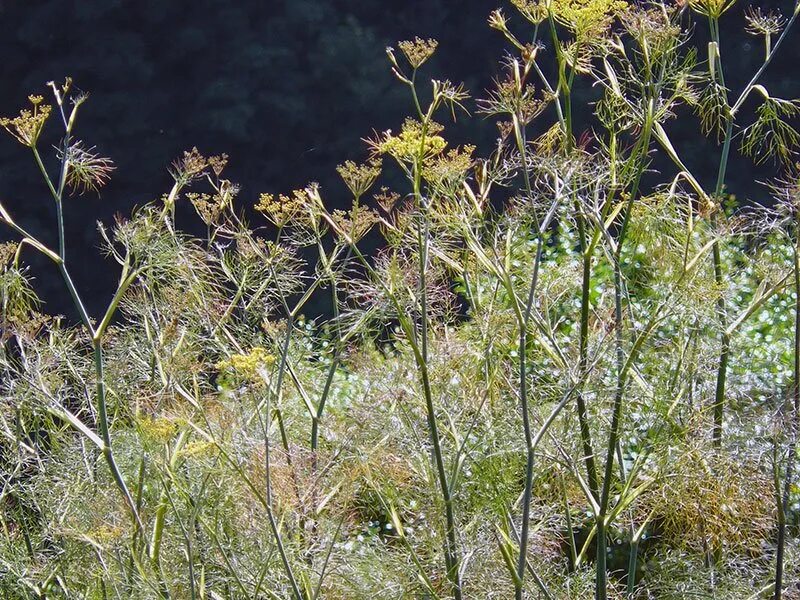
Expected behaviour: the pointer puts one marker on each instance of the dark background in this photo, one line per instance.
(286, 88)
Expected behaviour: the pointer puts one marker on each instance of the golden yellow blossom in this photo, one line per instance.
(188, 168)
(247, 366)
(27, 127)
(284, 210)
(359, 178)
(158, 429)
(7, 252)
(356, 222)
(197, 449)
(533, 10)
(414, 142)
(587, 18)
(447, 171)
(418, 50)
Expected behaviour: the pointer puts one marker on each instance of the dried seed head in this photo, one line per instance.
(386, 199)
(761, 23)
(86, 170)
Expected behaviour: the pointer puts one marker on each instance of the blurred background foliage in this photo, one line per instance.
(286, 87)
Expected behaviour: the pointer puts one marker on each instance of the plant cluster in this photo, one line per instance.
(562, 374)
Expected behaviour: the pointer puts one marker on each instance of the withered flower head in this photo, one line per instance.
(86, 170)
(386, 199)
(764, 23)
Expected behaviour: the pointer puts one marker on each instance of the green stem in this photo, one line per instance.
(616, 420)
(105, 434)
(451, 547)
(56, 197)
(265, 423)
(718, 407)
(724, 354)
(783, 498)
(583, 420)
(526, 425)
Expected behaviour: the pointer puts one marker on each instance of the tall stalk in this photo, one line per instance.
(523, 318)
(601, 577)
(565, 85)
(452, 559)
(782, 496)
(722, 313)
(96, 333)
(451, 547)
(725, 341)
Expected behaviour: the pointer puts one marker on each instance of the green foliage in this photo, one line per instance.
(562, 375)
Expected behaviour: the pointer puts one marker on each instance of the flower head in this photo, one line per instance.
(247, 366)
(766, 24)
(297, 209)
(27, 127)
(415, 141)
(86, 170)
(497, 20)
(587, 19)
(356, 222)
(533, 10)
(359, 178)
(190, 167)
(417, 51)
(712, 9)
(7, 252)
(447, 172)
(386, 199)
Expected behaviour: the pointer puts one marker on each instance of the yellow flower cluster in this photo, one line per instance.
(533, 10)
(7, 252)
(27, 127)
(285, 210)
(359, 178)
(356, 222)
(105, 533)
(587, 18)
(158, 429)
(247, 366)
(413, 142)
(418, 50)
(188, 168)
(584, 18)
(198, 449)
(447, 171)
